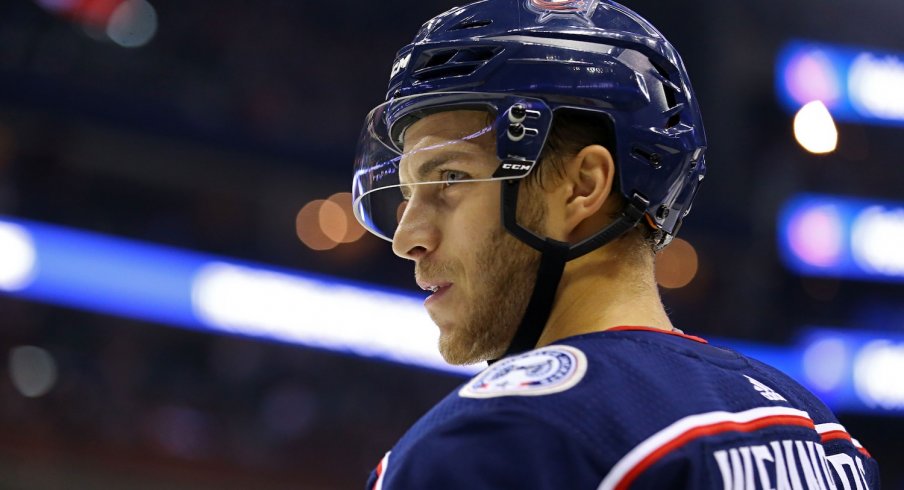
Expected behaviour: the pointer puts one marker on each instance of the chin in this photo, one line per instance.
(458, 353)
(461, 352)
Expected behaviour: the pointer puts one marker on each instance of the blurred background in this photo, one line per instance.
(187, 302)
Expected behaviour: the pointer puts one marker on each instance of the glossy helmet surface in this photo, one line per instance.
(592, 55)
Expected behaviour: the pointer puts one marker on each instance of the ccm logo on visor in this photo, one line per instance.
(515, 166)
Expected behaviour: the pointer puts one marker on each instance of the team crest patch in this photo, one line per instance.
(557, 8)
(542, 371)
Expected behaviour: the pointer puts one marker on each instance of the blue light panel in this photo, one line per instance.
(821, 235)
(855, 84)
(851, 371)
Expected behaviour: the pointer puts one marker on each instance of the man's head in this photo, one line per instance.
(519, 107)
(451, 229)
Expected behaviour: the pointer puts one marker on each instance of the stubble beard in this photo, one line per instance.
(506, 270)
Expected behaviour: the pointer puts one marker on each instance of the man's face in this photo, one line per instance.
(453, 233)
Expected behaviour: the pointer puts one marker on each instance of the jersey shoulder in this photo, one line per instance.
(724, 411)
(621, 406)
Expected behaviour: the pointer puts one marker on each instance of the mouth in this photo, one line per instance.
(437, 289)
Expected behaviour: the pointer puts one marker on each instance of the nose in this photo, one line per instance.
(417, 234)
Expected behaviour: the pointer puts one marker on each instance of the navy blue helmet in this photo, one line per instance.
(521, 61)
(537, 56)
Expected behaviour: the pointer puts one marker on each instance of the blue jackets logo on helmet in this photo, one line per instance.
(553, 8)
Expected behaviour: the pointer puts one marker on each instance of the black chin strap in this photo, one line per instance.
(552, 264)
(553, 256)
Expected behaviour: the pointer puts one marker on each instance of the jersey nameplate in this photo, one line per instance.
(542, 371)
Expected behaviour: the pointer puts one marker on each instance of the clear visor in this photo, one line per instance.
(426, 148)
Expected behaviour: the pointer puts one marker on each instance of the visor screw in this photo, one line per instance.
(655, 159)
(662, 213)
(516, 132)
(517, 113)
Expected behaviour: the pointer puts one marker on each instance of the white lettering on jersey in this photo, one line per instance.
(766, 391)
(850, 470)
(789, 465)
(694, 427)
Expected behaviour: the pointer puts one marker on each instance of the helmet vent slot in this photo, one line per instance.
(453, 62)
(471, 24)
(669, 89)
(674, 107)
(440, 58)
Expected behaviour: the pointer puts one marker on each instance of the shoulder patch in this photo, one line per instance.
(542, 371)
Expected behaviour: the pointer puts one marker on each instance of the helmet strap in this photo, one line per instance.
(553, 257)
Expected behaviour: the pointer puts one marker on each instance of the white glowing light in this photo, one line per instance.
(332, 316)
(875, 86)
(132, 24)
(877, 240)
(825, 363)
(878, 378)
(17, 257)
(815, 129)
(32, 370)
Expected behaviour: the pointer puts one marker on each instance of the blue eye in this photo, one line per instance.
(449, 177)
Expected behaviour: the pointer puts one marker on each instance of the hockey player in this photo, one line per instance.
(530, 159)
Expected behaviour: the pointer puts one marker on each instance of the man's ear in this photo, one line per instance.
(590, 175)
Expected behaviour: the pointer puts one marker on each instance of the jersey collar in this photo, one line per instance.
(676, 332)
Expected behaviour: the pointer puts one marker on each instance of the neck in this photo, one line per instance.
(607, 288)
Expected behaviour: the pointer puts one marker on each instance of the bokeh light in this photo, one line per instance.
(877, 374)
(17, 257)
(877, 235)
(676, 265)
(325, 223)
(132, 24)
(353, 230)
(815, 235)
(308, 229)
(811, 76)
(814, 128)
(332, 221)
(825, 363)
(32, 370)
(875, 86)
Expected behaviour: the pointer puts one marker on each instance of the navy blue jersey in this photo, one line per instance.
(628, 408)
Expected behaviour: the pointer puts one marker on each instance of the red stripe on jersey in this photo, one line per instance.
(379, 472)
(381, 468)
(840, 434)
(709, 430)
(835, 434)
(675, 332)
